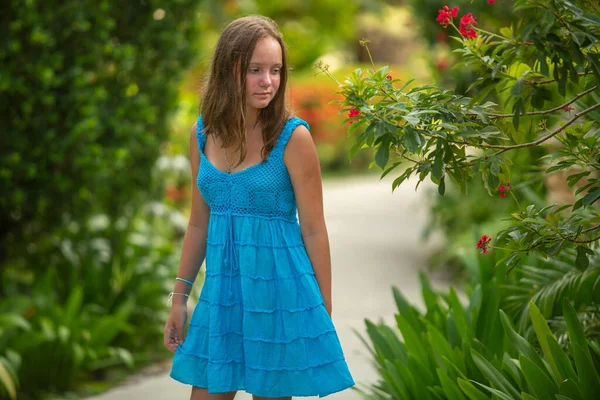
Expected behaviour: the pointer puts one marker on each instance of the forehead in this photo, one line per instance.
(267, 51)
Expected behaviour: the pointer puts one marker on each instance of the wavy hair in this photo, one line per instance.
(223, 99)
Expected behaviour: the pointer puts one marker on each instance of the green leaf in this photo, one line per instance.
(460, 317)
(538, 380)
(495, 377)
(353, 128)
(412, 340)
(429, 296)
(498, 393)
(438, 164)
(13, 321)
(470, 390)
(581, 261)
(383, 154)
(451, 389)
(73, 305)
(405, 309)
(527, 396)
(411, 120)
(440, 345)
(6, 381)
(591, 197)
(422, 373)
(413, 140)
(510, 367)
(408, 379)
(542, 331)
(573, 179)
(517, 88)
(563, 363)
(589, 380)
(521, 344)
(517, 109)
(570, 390)
(395, 380)
(494, 165)
(442, 186)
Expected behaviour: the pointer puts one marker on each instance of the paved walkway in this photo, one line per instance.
(375, 243)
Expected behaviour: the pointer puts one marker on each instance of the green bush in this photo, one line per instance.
(87, 89)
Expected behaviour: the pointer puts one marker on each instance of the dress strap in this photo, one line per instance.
(286, 133)
(200, 136)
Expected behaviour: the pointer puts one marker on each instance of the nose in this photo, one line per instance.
(265, 80)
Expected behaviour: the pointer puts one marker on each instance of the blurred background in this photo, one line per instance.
(97, 102)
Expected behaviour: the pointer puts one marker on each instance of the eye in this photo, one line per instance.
(253, 70)
(276, 71)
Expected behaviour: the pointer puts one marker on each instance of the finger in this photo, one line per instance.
(179, 333)
(170, 339)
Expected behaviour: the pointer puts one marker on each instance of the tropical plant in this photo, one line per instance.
(458, 353)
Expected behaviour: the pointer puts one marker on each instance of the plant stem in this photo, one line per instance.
(517, 201)
(562, 106)
(544, 138)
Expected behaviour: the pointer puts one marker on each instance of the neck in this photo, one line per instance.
(251, 119)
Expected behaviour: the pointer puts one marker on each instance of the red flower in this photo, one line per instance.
(503, 189)
(466, 26)
(484, 243)
(568, 108)
(491, 1)
(445, 15)
(389, 77)
(353, 113)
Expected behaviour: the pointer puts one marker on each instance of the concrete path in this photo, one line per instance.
(375, 243)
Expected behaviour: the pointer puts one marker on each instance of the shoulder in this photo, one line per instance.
(300, 150)
(297, 131)
(300, 136)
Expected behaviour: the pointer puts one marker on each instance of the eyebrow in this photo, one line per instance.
(261, 64)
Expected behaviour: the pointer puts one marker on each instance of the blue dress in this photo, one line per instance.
(261, 323)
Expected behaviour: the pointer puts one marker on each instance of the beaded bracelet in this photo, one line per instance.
(170, 299)
(184, 280)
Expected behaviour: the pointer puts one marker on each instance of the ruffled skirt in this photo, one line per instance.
(261, 323)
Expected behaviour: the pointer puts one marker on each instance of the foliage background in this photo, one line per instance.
(97, 101)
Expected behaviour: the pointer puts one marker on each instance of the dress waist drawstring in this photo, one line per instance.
(230, 261)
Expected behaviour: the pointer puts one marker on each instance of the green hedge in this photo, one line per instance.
(87, 88)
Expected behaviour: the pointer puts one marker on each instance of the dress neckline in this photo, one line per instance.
(249, 168)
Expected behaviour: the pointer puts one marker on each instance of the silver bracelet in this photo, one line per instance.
(170, 299)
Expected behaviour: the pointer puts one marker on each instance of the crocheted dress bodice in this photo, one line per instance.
(262, 190)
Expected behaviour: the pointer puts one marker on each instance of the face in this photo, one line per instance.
(264, 74)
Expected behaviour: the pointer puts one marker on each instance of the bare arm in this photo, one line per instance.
(194, 241)
(302, 162)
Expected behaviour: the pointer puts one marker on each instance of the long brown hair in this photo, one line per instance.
(224, 102)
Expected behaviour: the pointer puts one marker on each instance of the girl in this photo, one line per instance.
(263, 323)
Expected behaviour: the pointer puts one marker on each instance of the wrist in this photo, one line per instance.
(177, 298)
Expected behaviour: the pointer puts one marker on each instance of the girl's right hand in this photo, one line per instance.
(173, 335)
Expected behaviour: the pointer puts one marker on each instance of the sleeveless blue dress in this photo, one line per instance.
(261, 325)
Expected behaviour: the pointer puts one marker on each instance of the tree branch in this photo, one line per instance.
(535, 83)
(543, 138)
(573, 100)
